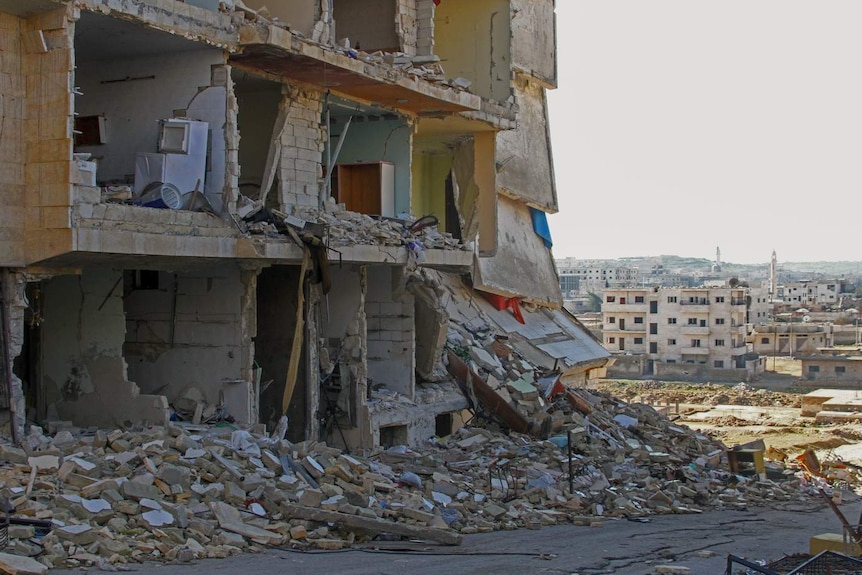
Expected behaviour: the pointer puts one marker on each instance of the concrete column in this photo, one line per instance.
(13, 304)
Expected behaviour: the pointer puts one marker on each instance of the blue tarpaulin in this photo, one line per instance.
(540, 226)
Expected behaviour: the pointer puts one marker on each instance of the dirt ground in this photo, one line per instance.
(766, 409)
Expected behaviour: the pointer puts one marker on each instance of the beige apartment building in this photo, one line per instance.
(687, 331)
(215, 203)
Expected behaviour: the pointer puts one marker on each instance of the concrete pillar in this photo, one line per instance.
(13, 304)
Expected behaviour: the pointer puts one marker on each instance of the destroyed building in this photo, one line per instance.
(220, 209)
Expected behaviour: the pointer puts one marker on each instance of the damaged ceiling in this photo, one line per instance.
(100, 37)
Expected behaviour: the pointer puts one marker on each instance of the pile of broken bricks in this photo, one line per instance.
(186, 491)
(346, 228)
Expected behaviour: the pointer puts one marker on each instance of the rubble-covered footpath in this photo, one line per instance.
(186, 491)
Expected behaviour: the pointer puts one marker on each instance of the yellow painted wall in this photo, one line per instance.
(12, 189)
(48, 135)
(428, 194)
(473, 40)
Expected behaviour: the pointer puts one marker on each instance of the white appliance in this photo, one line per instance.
(182, 160)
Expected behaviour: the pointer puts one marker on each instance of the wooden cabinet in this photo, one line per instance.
(366, 188)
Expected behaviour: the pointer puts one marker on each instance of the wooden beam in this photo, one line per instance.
(490, 399)
(294, 511)
(296, 347)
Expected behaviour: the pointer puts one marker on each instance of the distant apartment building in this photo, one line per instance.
(592, 276)
(759, 307)
(673, 329)
(811, 293)
(792, 338)
(834, 370)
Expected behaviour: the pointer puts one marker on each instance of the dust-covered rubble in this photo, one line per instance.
(187, 491)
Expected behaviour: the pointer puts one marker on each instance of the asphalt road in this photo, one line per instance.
(621, 547)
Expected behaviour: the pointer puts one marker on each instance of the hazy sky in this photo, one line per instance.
(682, 125)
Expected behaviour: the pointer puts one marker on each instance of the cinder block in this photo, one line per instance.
(390, 309)
(86, 195)
(55, 242)
(53, 20)
(56, 218)
(8, 22)
(54, 128)
(55, 172)
(10, 229)
(11, 253)
(12, 173)
(54, 195)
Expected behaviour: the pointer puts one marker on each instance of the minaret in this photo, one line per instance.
(773, 276)
(717, 256)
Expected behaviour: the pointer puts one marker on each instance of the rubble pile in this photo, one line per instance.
(335, 227)
(655, 392)
(347, 228)
(423, 67)
(186, 491)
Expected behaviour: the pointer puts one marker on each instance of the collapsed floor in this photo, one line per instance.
(184, 491)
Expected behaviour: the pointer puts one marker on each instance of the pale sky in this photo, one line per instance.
(682, 125)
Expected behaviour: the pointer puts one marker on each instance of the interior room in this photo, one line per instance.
(371, 151)
(150, 107)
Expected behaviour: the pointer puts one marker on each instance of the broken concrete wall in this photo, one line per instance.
(47, 66)
(12, 339)
(299, 16)
(277, 299)
(168, 86)
(525, 166)
(523, 266)
(424, 27)
(534, 40)
(84, 372)
(391, 332)
(186, 337)
(429, 172)
(406, 25)
(473, 39)
(257, 109)
(368, 24)
(474, 175)
(210, 105)
(12, 110)
(375, 141)
(301, 145)
(343, 332)
(431, 323)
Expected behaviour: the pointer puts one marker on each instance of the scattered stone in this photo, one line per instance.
(17, 565)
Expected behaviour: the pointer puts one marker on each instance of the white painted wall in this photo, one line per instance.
(133, 108)
(207, 348)
(81, 356)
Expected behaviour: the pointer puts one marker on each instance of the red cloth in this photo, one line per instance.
(502, 302)
(436, 2)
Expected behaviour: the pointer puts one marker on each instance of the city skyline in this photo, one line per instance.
(680, 126)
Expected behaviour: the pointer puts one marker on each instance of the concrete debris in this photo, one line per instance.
(346, 228)
(424, 67)
(143, 499)
(17, 565)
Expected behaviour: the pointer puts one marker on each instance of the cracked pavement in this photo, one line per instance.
(621, 547)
